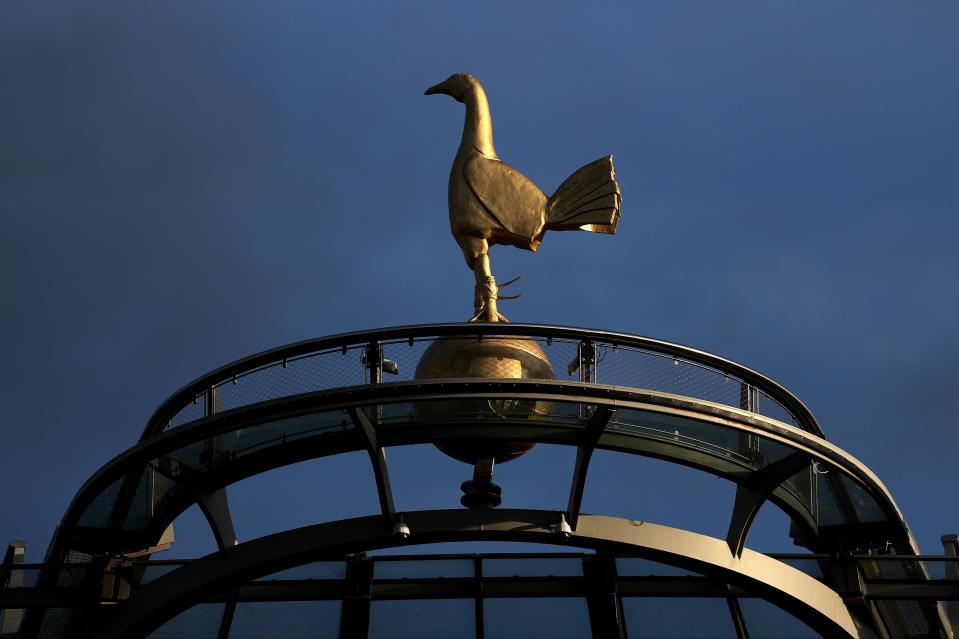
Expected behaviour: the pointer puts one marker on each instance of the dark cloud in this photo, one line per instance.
(181, 186)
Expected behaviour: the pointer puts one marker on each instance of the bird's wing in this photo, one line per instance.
(510, 197)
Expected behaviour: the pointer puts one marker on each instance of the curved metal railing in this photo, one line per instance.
(590, 356)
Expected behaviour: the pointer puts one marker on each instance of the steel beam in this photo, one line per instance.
(752, 493)
(799, 594)
(355, 613)
(216, 508)
(584, 452)
(612, 397)
(378, 458)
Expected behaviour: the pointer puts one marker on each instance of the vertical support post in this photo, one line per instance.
(586, 353)
(355, 615)
(950, 548)
(11, 619)
(599, 572)
(228, 611)
(587, 361)
(748, 400)
(738, 621)
(212, 403)
(478, 601)
(211, 407)
(748, 397)
(373, 360)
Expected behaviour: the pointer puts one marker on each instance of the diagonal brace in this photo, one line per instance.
(216, 509)
(584, 452)
(753, 492)
(378, 458)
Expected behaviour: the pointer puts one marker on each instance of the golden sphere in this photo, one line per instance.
(490, 358)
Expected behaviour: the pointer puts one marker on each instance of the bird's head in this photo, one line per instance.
(456, 86)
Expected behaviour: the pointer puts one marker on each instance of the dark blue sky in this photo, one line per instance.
(184, 184)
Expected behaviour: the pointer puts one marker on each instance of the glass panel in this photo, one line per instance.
(422, 568)
(97, 514)
(678, 618)
(249, 440)
(199, 622)
(536, 618)
(830, 510)
(192, 456)
(314, 570)
(636, 567)
(769, 451)
(10, 621)
(21, 577)
(243, 441)
(423, 618)
(802, 485)
(533, 567)
(867, 510)
(142, 503)
(286, 620)
(703, 436)
(477, 409)
(768, 621)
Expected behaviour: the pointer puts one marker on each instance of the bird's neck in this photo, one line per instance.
(478, 128)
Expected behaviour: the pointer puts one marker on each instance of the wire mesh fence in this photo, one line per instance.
(589, 360)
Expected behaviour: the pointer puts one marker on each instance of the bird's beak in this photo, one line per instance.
(437, 88)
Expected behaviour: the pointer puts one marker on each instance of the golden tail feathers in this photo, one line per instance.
(588, 200)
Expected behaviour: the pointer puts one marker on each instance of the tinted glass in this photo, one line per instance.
(98, 512)
(635, 567)
(866, 507)
(536, 618)
(678, 618)
(286, 620)
(314, 570)
(533, 567)
(765, 620)
(684, 432)
(199, 622)
(423, 619)
(422, 568)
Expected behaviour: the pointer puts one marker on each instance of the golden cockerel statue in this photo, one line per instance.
(492, 203)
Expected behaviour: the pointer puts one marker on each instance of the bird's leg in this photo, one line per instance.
(485, 292)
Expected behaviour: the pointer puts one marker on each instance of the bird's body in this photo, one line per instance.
(490, 202)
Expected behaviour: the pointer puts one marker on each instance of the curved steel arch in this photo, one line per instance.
(797, 593)
(610, 397)
(189, 393)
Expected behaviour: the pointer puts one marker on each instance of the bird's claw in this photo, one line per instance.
(484, 300)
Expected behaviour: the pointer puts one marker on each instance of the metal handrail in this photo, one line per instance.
(189, 393)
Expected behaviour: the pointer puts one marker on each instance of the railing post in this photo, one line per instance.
(211, 407)
(748, 397)
(373, 360)
(212, 401)
(749, 400)
(587, 361)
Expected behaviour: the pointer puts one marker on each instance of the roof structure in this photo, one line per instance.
(861, 574)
